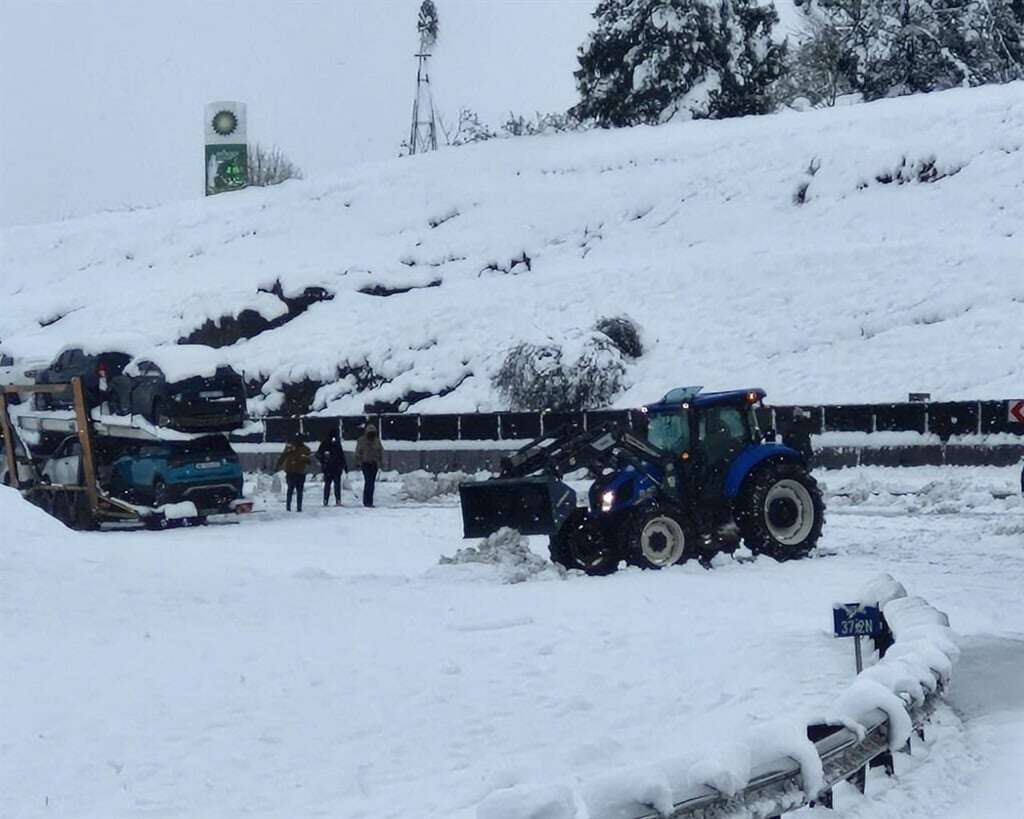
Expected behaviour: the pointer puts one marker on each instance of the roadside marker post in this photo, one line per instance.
(857, 620)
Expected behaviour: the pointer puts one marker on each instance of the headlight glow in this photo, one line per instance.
(607, 500)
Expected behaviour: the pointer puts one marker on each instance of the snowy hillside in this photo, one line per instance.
(846, 255)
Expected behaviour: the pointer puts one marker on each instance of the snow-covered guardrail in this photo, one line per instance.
(875, 716)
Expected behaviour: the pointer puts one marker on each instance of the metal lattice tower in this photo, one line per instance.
(423, 134)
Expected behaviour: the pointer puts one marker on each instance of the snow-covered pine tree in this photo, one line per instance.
(649, 61)
(895, 47)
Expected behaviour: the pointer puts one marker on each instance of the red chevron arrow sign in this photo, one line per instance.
(1016, 411)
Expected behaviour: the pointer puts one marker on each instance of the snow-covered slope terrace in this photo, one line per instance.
(837, 256)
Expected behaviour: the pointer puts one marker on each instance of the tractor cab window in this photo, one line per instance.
(669, 431)
(723, 430)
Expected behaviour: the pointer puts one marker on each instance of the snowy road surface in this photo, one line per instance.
(324, 665)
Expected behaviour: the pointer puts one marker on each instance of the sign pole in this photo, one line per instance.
(857, 654)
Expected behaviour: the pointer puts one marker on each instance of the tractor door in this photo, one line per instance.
(723, 432)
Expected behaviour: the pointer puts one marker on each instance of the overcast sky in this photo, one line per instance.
(101, 102)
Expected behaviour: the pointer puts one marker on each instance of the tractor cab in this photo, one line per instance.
(706, 431)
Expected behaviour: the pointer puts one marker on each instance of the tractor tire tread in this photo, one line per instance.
(751, 523)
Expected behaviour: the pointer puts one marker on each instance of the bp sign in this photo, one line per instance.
(226, 151)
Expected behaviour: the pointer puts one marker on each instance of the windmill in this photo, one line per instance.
(423, 135)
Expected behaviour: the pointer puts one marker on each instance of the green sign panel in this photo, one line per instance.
(226, 168)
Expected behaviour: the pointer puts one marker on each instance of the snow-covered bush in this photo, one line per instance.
(624, 334)
(270, 166)
(820, 68)
(651, 60)
(468, 127)
(585, 372)
(509, 551)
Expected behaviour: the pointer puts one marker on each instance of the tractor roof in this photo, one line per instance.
(674, 399)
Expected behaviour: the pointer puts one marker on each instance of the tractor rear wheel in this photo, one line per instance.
(780, 512)
(583, 543)
(655, 539)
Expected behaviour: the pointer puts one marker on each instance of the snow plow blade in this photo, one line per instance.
(532, 506)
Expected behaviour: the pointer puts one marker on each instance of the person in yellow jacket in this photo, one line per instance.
(295, 462)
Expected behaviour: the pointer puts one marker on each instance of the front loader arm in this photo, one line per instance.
(609, 445)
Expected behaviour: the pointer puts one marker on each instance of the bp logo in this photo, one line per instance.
(224, 123)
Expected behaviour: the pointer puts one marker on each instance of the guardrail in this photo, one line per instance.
(846, 755)
(942, 419)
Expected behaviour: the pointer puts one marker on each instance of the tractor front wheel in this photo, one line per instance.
(583, 543)
(655, 539)
(780, 512)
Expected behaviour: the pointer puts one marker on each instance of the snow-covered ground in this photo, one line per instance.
(901, 270)
(324, 664)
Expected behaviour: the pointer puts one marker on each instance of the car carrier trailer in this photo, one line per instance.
(83, 505)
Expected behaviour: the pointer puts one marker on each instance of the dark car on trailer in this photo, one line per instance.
(95, 369)
(190, 404)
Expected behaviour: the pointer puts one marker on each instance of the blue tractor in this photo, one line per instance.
(704, 477)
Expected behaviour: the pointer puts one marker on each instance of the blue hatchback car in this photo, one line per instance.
(204, 470)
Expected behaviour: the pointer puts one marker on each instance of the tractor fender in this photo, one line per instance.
(751, 458)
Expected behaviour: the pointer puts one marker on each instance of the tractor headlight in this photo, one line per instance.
(607, 501)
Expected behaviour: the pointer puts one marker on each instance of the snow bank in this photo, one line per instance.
(509, 553)
(925, 490)
(424, 486)
(441, 263)
(529, 802)
(25, 524)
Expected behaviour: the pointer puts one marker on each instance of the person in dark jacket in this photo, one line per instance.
(295, 461)
(369, 455)
(333, 463)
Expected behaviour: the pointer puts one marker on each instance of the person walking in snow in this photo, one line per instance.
(295, 461)
(332, 461)
(369, 455)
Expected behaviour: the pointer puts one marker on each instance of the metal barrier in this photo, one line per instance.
(777, 786)
(943, 419)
